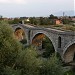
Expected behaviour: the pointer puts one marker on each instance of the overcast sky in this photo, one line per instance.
(17, 8)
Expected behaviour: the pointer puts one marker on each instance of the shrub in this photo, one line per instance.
(9, 47)
(10, 71)
(28, 62)
(52, 67)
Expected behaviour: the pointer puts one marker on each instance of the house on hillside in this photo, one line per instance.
(57, 21)
(73, 19)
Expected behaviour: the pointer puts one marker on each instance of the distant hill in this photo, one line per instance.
(66, 13)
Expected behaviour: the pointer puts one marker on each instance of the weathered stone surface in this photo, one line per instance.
(67, 49)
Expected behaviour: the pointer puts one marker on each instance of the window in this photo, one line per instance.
(29, 34)
(59, 42)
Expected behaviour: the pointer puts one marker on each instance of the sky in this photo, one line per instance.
(20, 8)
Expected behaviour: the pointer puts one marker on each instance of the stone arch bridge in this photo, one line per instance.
(63, 41)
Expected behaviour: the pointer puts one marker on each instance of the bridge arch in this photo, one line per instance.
(69, 52)
(20, 34)
(47, 35)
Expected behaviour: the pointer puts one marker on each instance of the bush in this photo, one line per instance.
(69, 73)
(52, 67)
(9, 46)
(10, 71)
(28, 62)
(69, 27)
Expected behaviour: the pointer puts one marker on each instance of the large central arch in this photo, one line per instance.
(69, 53)
(38, 41)
(47, 35)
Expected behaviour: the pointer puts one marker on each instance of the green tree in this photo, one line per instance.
(41, 21)
(48, 46)
(66, 21)
(33, 20)
(52, 17)
(15, 21)
(9, 46)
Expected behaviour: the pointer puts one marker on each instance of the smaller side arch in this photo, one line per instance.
(68, 53)
(67, 46)
(21, 34)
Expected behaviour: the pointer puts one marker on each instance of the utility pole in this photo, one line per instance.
(63, 14)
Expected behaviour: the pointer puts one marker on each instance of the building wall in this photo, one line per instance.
(58, 22)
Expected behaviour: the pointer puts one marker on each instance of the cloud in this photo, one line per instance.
(13, 1)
